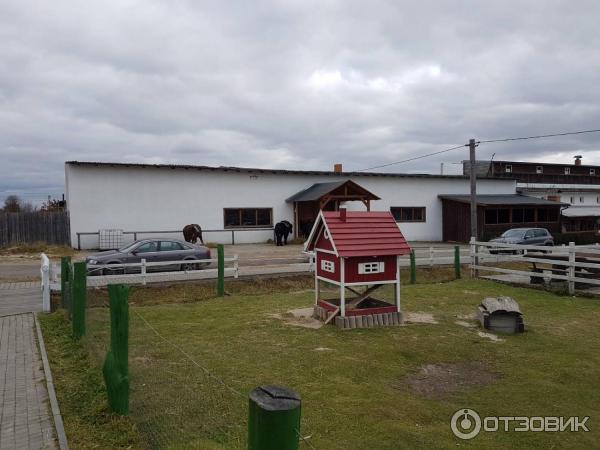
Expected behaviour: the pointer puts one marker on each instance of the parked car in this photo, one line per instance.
(523, 236)
(152, 250)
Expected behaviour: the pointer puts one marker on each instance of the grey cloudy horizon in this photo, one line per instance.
(291, 85)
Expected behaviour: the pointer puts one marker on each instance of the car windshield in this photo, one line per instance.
(127, 248)
(513, 233)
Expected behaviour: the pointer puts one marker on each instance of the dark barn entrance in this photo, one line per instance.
(496, 214)
(325, 197)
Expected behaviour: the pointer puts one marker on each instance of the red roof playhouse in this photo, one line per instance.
(354, 249)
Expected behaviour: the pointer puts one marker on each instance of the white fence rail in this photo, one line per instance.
(45, 284)
(187, 269)
(572, 263)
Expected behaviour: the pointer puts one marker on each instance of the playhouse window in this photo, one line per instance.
(371, 267)
(327, 266)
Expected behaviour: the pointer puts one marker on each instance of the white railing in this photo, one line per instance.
(572, 263)
(143, 275)
(45, 284)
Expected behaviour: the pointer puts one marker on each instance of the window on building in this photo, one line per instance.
(508, 168)
(567, 171)
(529, 215)
(542, 215)
(327, 266)
(592, 171)
(408, 213)
(371, 267)
(491, 216)
(571, 199)
(539, 169)
(581, 199)
(248, 217)
(517, 215)
(598, 199)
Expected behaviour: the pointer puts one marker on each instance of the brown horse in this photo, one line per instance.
(192, 232)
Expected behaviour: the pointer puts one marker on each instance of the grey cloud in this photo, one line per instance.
(293, 84)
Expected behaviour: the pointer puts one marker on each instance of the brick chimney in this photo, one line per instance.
(337, 168)
(343, 214)
(577, 159)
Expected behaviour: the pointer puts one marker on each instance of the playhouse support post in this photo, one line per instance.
(220, 271)
(317, 288)
(397, 290)
(413, 267)
(342, 287)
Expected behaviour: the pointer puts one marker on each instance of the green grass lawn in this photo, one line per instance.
(361, 388)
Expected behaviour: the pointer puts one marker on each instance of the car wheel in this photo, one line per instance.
(115, 271)
(189, 266)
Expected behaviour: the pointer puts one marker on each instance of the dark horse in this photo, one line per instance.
(192, 232)
(282, 229)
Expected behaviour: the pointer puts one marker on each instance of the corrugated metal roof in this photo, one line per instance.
(269, 171)
(508, 199)
(365, 233)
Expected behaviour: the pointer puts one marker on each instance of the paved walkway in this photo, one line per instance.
(16, 298)
(25, 420)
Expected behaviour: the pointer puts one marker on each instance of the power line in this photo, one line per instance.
(414, 158)
(538, 137)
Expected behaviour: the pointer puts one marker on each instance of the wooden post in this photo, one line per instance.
(65, 265)
(317, 288)
(273, 419)
(397, 290)
(79, 299)
(342, 287)
(236, 266)
(413, 267)
(431, 254)
(473, 180)
(571, 281)
(220, 270)
(456, 262)
(116, 365)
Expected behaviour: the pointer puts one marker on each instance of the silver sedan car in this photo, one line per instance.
(152, 250)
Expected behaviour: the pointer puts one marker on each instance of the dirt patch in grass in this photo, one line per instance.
(302, 317)
(437, 381)
(419, 317)
(203, 290)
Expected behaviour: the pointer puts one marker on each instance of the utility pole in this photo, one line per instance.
(473, 178)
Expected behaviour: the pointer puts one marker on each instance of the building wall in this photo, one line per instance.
(149, 198)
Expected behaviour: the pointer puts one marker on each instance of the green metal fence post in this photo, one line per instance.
(273, 419)
(116, 366)
(221, 271)
(79, 299)
(65, 264)
(413, 268)
(456, 262)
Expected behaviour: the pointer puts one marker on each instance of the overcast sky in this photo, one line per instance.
(291, 84)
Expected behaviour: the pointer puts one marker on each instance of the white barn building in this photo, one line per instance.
(144, 197)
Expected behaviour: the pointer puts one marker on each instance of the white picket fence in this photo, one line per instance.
(571, 264)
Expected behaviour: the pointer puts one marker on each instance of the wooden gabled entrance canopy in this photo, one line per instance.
(325, 197)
